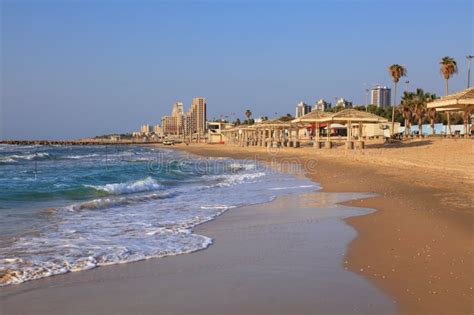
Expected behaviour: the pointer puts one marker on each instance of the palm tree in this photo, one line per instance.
(396, 71)
(448, 68)
(406, 110)
(431, 112)
(419, 109)
(413, 105)
(432, 116)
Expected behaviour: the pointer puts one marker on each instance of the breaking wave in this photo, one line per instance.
(147, 184)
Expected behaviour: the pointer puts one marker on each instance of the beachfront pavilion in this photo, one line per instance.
(311, 120)
(242, 135)
(272, 133)
(267, 133)
(353, 120)
(462, 101)
(350, 118)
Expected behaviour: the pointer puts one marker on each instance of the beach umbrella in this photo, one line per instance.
(462, 101)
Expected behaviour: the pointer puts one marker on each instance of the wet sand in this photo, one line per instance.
(418, 246)
(283, 257)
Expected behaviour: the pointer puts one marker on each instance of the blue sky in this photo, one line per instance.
(80, 68)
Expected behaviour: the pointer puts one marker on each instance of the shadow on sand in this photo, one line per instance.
(400, 144)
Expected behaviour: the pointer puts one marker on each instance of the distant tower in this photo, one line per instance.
(380, 96)
(198, 116)
(145, 129)
(302, 109)
(178, 113)
(321, 105)
(343, 102)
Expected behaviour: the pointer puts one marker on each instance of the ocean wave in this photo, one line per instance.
(77, 157)
(170, 243)
(147, 184)
(217, 207)
(241, 166)
(104, 203)
(16, 157)
(235, 179)
(7, 160)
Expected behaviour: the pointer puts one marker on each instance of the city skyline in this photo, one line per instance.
(105, 72)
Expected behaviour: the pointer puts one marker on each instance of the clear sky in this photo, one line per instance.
(80, 68)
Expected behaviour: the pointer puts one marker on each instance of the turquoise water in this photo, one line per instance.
(65, 209)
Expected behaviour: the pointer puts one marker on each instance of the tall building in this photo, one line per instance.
(380, 96)
(197, 116)
(188, 124)
(169, 125)
(302, 109)
(321, 105)
(344, 103)
(178, 112)
(173, 124)
(145, 128)
(157, 129)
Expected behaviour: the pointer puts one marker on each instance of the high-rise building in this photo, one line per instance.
(178, 112)
(321, 105)
(197, 116)
(173, 124)
(188, 124)
(145, 128)
(344, 103)
(380, 96)
(169, 125)
(302, 109)
(157, 129)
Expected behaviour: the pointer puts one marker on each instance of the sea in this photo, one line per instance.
(72, 208)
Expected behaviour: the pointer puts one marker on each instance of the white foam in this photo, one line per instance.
(103, 203)
(147, 184)
(235, 179)
(242, 166)
(217, 207)
(171, 243)
(77, 157)
(28, 156)
(7, 160)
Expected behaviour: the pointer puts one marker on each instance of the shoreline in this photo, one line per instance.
(265, 259)
(416, 247)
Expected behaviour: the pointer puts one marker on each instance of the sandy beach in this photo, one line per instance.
(417, 247)
(296, 255)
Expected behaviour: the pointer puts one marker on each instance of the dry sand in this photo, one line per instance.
(418, 246)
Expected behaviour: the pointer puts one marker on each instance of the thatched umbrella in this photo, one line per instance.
(314, 117)
(349, 117)
(275, 128)
(462, 101)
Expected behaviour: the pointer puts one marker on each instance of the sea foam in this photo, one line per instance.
(147, 184)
